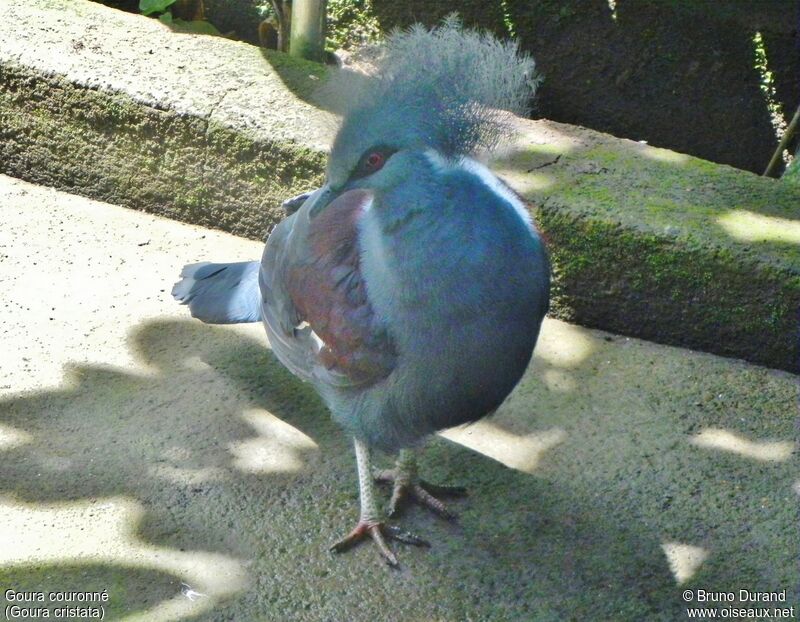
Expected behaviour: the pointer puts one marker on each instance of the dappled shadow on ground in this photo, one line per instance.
(131, 590)
(589, 498)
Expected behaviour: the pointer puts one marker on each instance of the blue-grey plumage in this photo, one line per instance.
(410, 288)
(458, 277)
(220, 293)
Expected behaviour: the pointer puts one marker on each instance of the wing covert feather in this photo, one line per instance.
(310, 275)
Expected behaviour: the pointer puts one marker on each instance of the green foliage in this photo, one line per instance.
(154, 6)
(792, 172)
(767, 85)
(197, 26)
(509, 23)
(351, 23)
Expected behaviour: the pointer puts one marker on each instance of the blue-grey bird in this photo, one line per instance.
(410, 288)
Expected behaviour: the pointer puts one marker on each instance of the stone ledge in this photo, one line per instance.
(120, 108)
(662, 245)
(645, 241)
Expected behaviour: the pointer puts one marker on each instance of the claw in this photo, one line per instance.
(379, 532)
(406, 537)
(423, 497)
(443, 491)
(410, 488)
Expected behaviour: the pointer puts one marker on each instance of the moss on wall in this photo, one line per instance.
(665, 246)
(610, 277)
(108, 147)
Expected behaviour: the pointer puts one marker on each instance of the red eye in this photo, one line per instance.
(374, 161)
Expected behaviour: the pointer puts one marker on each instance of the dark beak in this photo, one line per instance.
(290, 206)
(317, 200)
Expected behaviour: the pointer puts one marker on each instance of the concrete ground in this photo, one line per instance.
(180, 468)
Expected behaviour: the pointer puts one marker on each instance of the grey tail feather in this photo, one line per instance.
(220, 293)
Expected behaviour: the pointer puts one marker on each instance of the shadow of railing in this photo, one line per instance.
(576, 527)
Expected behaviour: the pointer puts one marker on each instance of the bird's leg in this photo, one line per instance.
(370, 523)
(407, 486)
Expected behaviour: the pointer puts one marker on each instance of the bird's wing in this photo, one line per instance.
(314, 299)
(220, 293)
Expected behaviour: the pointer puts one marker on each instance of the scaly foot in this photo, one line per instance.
(407, 487)
(379, 532)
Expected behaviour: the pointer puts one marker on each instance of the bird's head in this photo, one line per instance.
(421, 97)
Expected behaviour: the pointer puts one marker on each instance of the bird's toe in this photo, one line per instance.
(407, 489)
(379, 533)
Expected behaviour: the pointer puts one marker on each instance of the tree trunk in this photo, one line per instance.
(308, 29)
